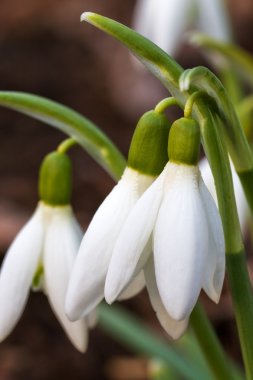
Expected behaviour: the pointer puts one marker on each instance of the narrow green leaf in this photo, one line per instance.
(131, 332)
(227, 54)
(93, 140)
(166, 69)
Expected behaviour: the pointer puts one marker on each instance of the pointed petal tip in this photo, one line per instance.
(81, 344)
(110, 296)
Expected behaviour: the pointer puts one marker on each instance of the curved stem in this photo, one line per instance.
(65, 145)
(190, 102)
(166, 103)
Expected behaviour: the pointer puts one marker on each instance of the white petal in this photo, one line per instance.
(133, 288)
(86, 287)
(242, 207)
(241, 202)
(180, 243)
(132, 240)
(61, 245)
(174, 328)
(214, 20)
(17, 272)
(215, 263)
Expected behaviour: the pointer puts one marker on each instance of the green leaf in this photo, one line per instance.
(227, 54)
(90, 137)
(128, 330)
(166, 69)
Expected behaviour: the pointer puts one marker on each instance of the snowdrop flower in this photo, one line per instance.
(86, 286)
(165, 21)
(42, 254)
(178, 219)
(242, 206)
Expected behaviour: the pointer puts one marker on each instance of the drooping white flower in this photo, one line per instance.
(165, 21)
(180, 216)
(242, 206)
(86, 286)
(146, 158)
(43, 252)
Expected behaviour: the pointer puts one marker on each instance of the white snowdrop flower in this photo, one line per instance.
(86, 287)
(42, 254)
(50, 240)
(242, 206)
(179, 215)
(165, 21)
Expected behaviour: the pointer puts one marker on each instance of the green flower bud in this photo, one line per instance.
(55, 179)
(184, 141)
(148, 149)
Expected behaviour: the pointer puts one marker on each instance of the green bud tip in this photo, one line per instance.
(184, 141)
(148, 149)
(55, 179)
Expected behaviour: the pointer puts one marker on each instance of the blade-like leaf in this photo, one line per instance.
(166, 69)
(94, 141)
(134, 334)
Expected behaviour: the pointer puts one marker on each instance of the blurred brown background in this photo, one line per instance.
(45, 50)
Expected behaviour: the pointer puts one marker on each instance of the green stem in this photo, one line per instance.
(65, 145)
(238, 277)
(135, 335)
(203, 330)
(166, 103)
(243, 307)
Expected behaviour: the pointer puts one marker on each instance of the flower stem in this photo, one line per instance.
(211, 348)
(242, 298)
(165, 103)
(65, 145)
(236, 264)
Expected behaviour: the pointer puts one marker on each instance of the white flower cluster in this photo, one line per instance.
(164, 233)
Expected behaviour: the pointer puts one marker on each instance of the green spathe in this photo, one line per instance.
(184, 141)
(148, 149)
(55, 179)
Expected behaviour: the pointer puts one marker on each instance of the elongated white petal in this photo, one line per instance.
(133, 288)
(215, 262)
(174, 328)
(61, 245)
(132, 240)
(180, 243)
(86, 287)
(242, 207)
(213, 19)
(17, 272)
